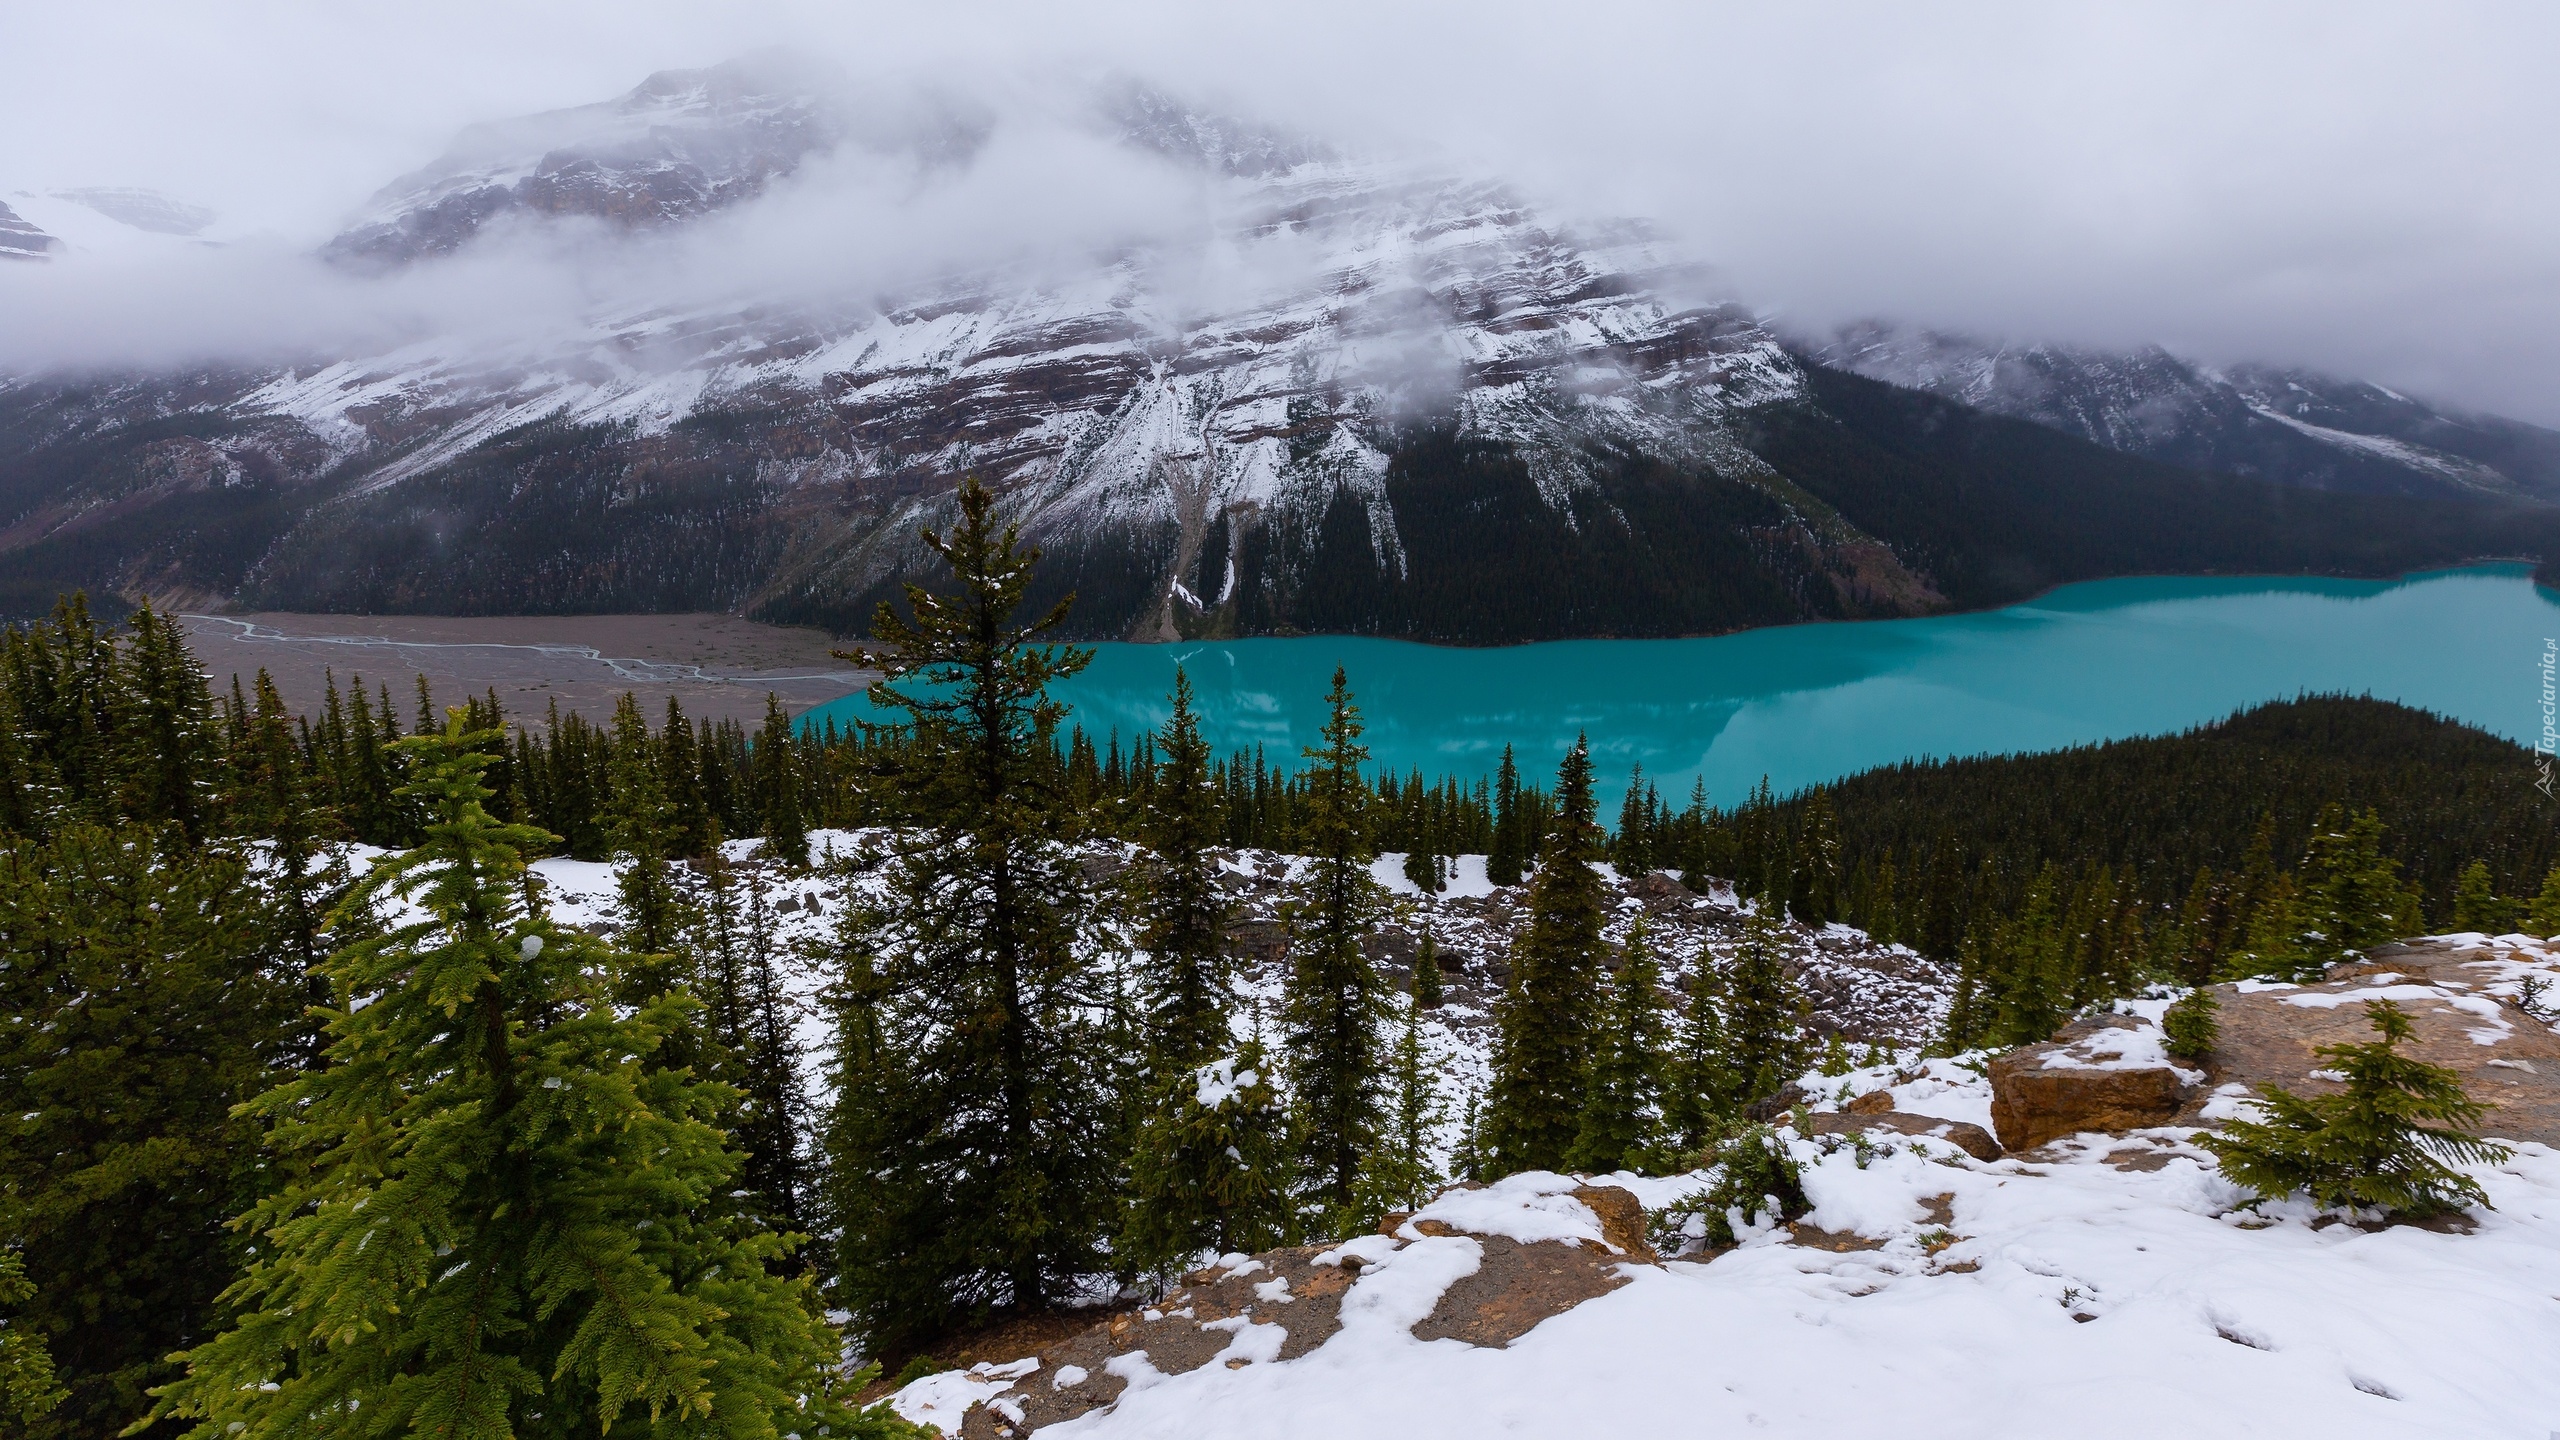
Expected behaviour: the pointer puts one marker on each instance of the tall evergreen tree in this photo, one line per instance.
(1766, 1010)
(777, 780)
(2352, 897)
(1335, 997)
(1509, 858)
(2476, 903)
(1548, 1021)
(1619, 1111)
(1187, 975)
(1700, 1088)
(143, 998)
(971, 1150)
(640, 822)
(1816, 884)
(494, 1217)
(1398, 1173)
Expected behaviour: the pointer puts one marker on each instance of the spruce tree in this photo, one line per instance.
(2352, 898)
(1619, 1114)
(2476, 904)
(145, 995)
(971, 1152)
(1700, 1089)
(1815, 887)
(1765, 1010)
(1429, 987)
(2544, 917)
(493, 1222)
(1210, 1172)
(1398, 1173)
(1335, 998)
(1187, 974)
(639, 822)
(2388, 1142)
(1509, 858)
(777, 780)
(1549, 1018)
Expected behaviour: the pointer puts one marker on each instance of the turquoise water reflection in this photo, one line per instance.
(1808, 703)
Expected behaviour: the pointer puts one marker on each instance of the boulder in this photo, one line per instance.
(2104, 1074)
(1970, 1138)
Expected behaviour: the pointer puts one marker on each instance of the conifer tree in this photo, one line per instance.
(2388, 1142)
(639, 821)
(1398, 1173)
(27, 1385)
(1429, 987)
(2544, 917)
(1210, 1171)
(1766, 1010)
(1549, 1021)
(1633, 850)
(1816, 882)
(1700, 1087)
(144, 995)
(2352, 898)
(2033, 984)
(1619, 1113)
(971, 1150)
(763, 1065)
(494, 1217)
(1335, 998)
(1509, 858)
(1187, 974)
(777, 778)
(2476, 904)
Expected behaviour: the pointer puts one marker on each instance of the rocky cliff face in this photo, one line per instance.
(2293, 426)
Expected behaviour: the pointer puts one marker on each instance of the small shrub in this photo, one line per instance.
(1753, 1172)
(2193, 1024)
(2384, 1144)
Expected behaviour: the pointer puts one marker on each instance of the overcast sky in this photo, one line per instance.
(2370, 189)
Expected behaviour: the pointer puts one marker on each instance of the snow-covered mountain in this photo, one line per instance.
(2294, 426)
(1338, 393)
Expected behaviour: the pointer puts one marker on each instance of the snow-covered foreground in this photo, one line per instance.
(2071, 1297)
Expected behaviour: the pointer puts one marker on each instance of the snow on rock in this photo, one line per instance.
(940, 1400)
(2113, 1288)
(1529, 1207)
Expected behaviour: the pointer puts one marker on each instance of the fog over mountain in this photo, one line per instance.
(2365, 190)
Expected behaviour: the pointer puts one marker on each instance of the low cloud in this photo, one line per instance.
(2364, 188)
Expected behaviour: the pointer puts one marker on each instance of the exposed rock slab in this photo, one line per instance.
(1227, 1314)
(2092, 1076)
(2460, 997)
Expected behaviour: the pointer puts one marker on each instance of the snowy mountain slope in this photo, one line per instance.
(21, 239)
(2288, 425)
(1200, 427)
(1319, 392)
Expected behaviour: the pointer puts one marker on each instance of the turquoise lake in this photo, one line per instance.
(1807, 703)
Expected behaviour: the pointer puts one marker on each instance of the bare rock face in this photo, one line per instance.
(2090, 1077)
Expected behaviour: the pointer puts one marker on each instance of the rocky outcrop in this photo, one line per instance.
(1282, 1304)
(2460, 995)
(2108, 1073)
